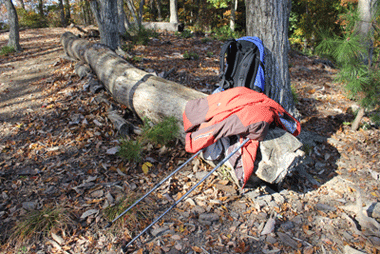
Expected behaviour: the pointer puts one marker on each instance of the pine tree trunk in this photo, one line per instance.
(269, 20)
(173, 11)
(105, 13)
(358, 119)
(14, 35)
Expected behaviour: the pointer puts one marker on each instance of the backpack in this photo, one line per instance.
(243, 64)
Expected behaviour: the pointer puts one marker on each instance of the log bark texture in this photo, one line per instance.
(149, 96)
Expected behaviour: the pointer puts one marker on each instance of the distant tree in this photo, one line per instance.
(67, 11)
(269, 20)
(62, 13)
(106, 16)
(174, 11)
(14, 36)
(41, 8)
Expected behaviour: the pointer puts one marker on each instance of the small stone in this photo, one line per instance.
(176, 237)
(198, 210)
(270, 239)
(374, 210)
(324, 207)
(88, 213)
(29, 205)
(269, 227)
(157, 231)
(297, 220)
(278, 198)
(287, 240)
(209, 217)
(286, 226)
(350, 250)
(97, 194)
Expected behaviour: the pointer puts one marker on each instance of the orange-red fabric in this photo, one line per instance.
(236, 111)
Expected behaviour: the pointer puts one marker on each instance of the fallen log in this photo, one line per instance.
(145, 94)
(156, 98)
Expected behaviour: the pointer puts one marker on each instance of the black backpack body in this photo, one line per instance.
(241, 64)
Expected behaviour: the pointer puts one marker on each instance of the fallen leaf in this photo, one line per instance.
(145, 167)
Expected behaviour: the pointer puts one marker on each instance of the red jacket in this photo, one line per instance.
(236, 111)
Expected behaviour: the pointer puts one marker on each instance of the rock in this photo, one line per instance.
(287, 240)
(324, 207)
(31, 205)
(88, 213)
(350, 250)
(269, 227)
(159, 230)
(209, 217)
(374, 210)
(270, 239)
(278, 198)
(286, 226)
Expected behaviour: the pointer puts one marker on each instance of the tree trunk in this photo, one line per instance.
(105, 13)
(141, 7)
(269, 20)
(41, 8)
(355, 125)
(173, 11)
(67, 11)
(14, 35)
(364, 27)
(62, 13)
(122, 18)
(149, 96)
(132, 12)
(234, 6)
(158, 6)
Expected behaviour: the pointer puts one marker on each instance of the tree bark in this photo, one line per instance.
(67, 11)
(105, 13)
(269, 20)
(234, 6)
(152, 97)
(122, 24)
(41, 8)
(14, 35)
(173, 11)
(62, 13)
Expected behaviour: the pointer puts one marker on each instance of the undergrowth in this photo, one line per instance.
(40, 223)
(6, 50)
(161, 134)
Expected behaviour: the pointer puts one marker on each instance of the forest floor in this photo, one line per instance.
(61, 182)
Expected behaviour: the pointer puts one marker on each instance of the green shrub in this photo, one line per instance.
(224, 33)
(130, 149)
(6, 50)
(190, 56)
(30, 19)
(36, 224)
(163, 132)
(160, 134)
(185, 34)
(141, 35)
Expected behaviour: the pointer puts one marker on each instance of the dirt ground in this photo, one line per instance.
(56, 148)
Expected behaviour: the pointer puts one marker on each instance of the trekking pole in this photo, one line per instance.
(187, 193)
(153, 189)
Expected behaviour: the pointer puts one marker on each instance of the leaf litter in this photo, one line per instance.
(63, 152)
